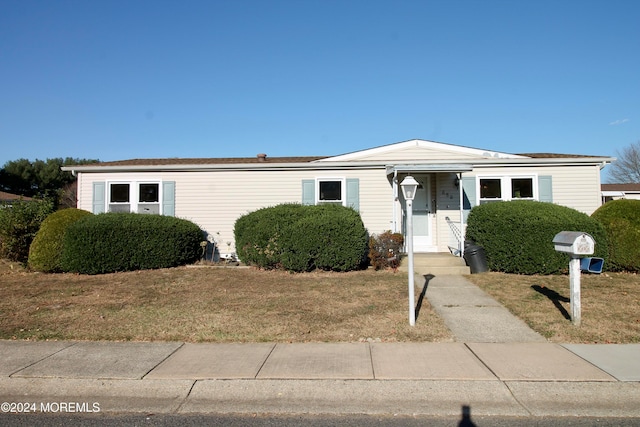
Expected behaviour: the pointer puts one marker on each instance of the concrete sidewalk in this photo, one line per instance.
(498, 366)
(375, 378)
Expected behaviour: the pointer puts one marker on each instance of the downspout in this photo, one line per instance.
(78, 188)
(395, 200)
(461, 200)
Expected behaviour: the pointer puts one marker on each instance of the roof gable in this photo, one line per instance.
(420, 150)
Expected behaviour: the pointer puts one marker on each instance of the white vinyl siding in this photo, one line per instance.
(210, 200)
(215, 199)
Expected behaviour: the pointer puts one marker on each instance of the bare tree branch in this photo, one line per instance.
(626, 169)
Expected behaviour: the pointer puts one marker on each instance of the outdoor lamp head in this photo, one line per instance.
(409, 186)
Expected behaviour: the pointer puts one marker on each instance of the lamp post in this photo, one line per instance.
(409, 186)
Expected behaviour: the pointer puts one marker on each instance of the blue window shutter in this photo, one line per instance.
(308, 191)
(99, 198)
(468, 195)
(169, 198)
(545, 188)
(353, 193)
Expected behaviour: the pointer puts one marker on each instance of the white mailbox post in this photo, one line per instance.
(576, 244)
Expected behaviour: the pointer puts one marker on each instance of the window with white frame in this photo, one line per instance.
(504, 188)
(149, 198)
(139, 197)
(119, 197)
(330, 190)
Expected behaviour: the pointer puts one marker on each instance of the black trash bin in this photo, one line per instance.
(476, 259)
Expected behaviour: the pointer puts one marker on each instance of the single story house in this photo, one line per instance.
(620, 191)
(214, 192)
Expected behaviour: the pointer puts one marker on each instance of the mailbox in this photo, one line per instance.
(574, 243)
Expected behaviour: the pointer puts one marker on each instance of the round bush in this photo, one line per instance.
(621, 220)
(329, 237)
(517, 236)
(113, 242)
(46, 248)
(257, 234)
(302, 238)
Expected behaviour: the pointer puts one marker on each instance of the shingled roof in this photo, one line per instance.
(620, 187)
(557, 156)
(265, 159)
(210, 161)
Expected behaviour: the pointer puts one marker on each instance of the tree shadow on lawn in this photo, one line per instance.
(555, 298)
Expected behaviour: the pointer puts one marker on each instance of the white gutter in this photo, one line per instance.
(434, 165)
(221, 166)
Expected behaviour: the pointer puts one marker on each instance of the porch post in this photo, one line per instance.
(461, 200)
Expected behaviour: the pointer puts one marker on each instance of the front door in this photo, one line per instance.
(422, 216)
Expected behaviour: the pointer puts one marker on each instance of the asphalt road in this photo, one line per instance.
(46, 420)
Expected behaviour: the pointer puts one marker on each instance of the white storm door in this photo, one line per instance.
(422, 216)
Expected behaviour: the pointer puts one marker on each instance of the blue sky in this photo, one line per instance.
(123, 79)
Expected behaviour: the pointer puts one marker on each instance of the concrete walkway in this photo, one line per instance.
(491, 373)
(471, 314)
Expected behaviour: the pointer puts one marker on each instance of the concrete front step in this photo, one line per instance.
(438, 264)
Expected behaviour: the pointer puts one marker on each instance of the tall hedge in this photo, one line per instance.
(19, 223)
(113, 242)
(302, 238)
(46, 248)
(621, 219)
(517, 236)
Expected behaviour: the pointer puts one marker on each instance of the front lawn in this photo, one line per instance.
(207, 304)
(610, 305)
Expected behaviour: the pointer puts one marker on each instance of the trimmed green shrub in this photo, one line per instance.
(19, 223)
(517, 236)
(113, 242)
(328, 237)
(257, 234)
(46, 248)
(384, 246)
(302, 238)
(621, 220)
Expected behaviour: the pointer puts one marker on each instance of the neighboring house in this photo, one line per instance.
(8, 198)
(620, 191)
(213, 193)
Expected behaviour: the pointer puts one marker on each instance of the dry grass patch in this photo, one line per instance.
(206, 304)
(610, 305)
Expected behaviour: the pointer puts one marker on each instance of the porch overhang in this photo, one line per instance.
(613, 193)
(429, 167)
